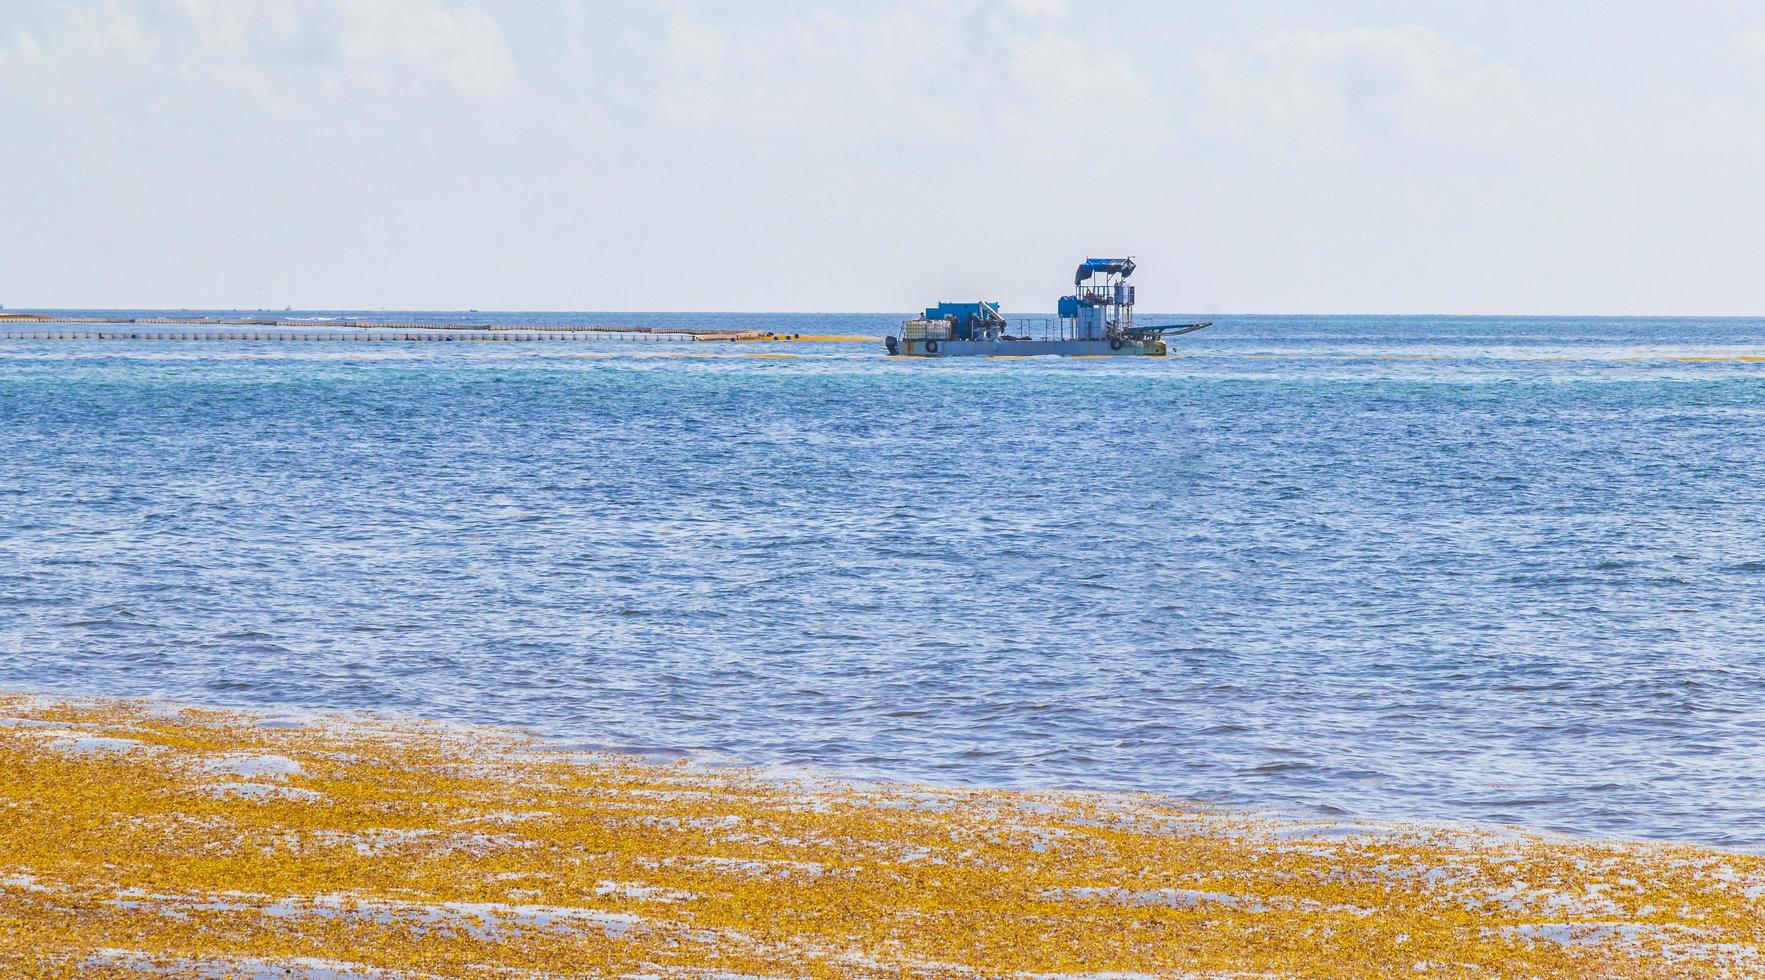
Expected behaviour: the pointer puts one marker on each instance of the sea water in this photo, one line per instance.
(1496, 569)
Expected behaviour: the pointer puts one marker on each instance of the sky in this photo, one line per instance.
(1358, 156)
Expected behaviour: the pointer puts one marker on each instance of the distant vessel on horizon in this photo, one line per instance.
(1096, 320)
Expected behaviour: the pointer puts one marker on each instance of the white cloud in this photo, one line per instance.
(187, 56)
(89, 51)
(391, 40)
(913, 71)
(1371, 88)
(1066, 70)
(1040, 8)
(178, 151)
(917, 71)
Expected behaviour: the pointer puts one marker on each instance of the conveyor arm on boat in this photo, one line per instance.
(1174, 329)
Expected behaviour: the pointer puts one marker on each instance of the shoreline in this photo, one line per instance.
(160, 837)
(823, 771)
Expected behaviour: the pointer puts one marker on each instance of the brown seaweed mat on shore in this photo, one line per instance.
(143, 838)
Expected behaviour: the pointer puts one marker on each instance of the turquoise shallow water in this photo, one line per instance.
(1493, 569)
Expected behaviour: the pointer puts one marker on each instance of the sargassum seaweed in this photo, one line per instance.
(148, 839)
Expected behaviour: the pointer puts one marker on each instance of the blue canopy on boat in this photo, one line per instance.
(1091, 267)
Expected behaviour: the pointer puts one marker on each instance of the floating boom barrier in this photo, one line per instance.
(15, 326)
(40, 332)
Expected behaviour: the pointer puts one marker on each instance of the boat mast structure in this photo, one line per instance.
(1102, 303)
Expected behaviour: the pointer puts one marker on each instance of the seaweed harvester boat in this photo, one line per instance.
(1097, 319)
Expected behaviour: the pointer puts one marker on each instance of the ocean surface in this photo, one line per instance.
(1490, 569)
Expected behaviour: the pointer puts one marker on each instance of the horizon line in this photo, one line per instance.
(709, 312)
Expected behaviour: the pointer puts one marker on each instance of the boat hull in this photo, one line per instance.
(1029, 348)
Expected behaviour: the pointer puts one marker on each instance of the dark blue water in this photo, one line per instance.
(1495, 569)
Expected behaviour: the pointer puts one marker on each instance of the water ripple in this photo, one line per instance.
(1493, 569)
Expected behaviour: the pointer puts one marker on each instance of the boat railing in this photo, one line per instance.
(1037, 327)
(1043, 328)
